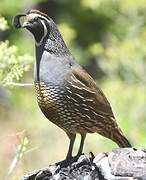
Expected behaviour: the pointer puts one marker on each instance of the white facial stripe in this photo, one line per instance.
(31, 16)
(45, 33)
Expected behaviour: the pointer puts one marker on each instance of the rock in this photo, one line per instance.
(120, 164)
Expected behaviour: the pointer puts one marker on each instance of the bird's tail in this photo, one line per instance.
(120, 139)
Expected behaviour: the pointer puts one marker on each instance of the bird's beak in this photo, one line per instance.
(26, 24)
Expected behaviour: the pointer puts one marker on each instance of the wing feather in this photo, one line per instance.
(84, 80)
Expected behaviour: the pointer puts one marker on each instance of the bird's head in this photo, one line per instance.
(44, 30)
(38, 23)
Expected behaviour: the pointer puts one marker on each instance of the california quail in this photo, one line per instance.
(66, 93)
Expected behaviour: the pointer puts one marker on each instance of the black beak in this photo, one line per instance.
(26, 25)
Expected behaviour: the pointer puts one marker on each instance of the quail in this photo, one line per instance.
(66, 94)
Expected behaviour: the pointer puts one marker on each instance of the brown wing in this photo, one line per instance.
(83, 79)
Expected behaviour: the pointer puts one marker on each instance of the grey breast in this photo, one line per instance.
(53, 69)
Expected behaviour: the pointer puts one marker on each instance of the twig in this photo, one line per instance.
(19, 84)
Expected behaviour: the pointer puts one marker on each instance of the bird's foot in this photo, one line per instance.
(67, 162)
(91, 156)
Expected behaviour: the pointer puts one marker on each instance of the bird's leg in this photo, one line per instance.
(72, 140)
(83, 136)
(69, 158)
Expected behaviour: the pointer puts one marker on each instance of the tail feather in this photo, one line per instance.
(120, 139)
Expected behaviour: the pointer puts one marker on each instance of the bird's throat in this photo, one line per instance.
(39, 53)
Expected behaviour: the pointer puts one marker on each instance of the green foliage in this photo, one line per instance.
(21, 150)
(3, 24)
(11, 7)
(125, 59)
(12, 65)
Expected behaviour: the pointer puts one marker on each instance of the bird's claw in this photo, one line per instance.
(67, 162)
(91, 156)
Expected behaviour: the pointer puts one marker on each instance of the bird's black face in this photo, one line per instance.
(36, 23)
(44, 30)
(35, 27)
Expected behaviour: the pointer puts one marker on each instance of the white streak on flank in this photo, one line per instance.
(76, 87)
(45, 33)
(75, 79)
(87, 116)
(84, 86)
(97, 114)
(90, 91)
(79, 96)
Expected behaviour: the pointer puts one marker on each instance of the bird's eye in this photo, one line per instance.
(36, 19)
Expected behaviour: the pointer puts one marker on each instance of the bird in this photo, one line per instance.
(67, 95)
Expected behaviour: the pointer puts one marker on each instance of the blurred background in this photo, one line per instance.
(108, 38)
